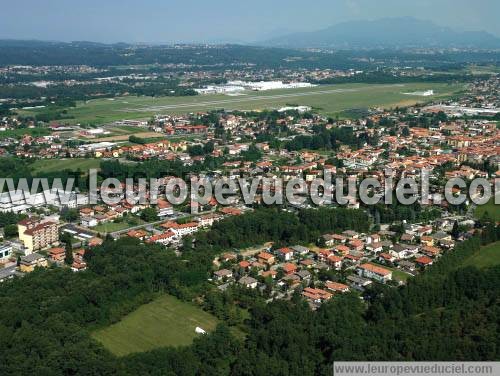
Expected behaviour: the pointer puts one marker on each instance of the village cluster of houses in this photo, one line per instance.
(39, 246)
(357, 260)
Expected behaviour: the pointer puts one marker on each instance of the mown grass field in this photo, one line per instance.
(164, 322)
(327, 99)
(54, 165)
(485, 257)
(492, 209)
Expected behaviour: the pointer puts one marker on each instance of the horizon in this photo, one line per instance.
(154, 22)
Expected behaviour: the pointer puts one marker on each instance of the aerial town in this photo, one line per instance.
(438, 136)
(166, 208)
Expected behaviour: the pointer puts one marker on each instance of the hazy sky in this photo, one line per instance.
(163, 21)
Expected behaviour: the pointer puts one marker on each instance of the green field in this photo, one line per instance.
(20, 132)
(485, 257)
(118, 226)
(124, 130)
(164, 322)
(327, 99)
(53, 165)
(492, 209)
(397, 274)
(483, 69)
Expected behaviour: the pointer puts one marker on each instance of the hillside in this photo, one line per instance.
(401, 32)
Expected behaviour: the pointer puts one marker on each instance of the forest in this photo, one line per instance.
(14, 52)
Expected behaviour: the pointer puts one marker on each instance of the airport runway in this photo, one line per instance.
(246, 99)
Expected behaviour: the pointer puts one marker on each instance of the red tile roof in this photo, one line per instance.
(376, 269)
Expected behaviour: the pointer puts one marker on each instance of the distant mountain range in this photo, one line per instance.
(386, 33)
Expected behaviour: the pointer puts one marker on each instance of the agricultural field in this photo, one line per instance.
(164, 322)
(20, 132)
(327, 99)
(483, 69)
(53, 165)
(485, 257)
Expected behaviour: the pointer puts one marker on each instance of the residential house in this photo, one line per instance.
(289, 268)
(352, 259)
(285, 254)
(403, 251)
(316, 295)
(334, 261)
(374, 247)
(300, 250)
(95, 242)
(165, 238)
(269, 273)
(342, 250)
(423, 261)
(31, 261)
(244, 264)
(332, 239)
(89, 221)
(181, 229)
(79, 266)
(350, 234)
(427, 240)
(138, 234)
(57, 254)
(336, 287)
(386, 257)
(373, 238)
(441, 236)
(357, 282)
(407, 265)
(265, 258)
(208, 220)
(431, 251)
(223, 274)
(307, 263)
(356, 245)
(248, 282)
(375, 272)
(229, 256)
(165, 208)
(304, 275)
(5, 251)
(8, 273)
(407, 237)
